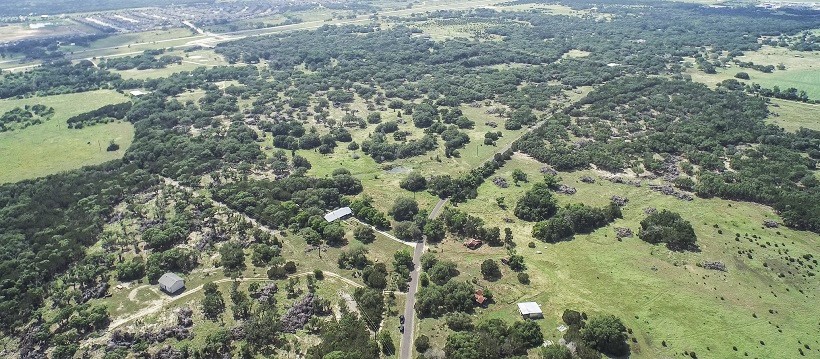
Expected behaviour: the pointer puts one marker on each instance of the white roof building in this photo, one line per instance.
(137, 93)
(530, 310)
(339, 213)
(171, 283)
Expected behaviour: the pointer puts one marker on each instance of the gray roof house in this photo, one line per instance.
(171, 283)
(339, 213)
(530, 310)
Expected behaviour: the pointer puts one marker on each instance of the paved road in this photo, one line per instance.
(437, 209)
(406, 350)
(208, 39)
(410, 304)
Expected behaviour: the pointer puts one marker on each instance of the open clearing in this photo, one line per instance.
(52, 147)
(802, 70)
(793, 115)
(660, 295)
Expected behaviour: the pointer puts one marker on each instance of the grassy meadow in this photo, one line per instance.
(802, 70)
(793, 115)
(662, 296)
(52, 147)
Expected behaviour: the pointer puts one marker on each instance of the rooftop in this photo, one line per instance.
(527, 308)
(339, 213)
(169, 279)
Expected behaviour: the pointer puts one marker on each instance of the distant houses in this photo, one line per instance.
(171, 283)
(530, 310)
(338, 214)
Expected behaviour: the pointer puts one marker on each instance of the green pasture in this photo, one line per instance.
(52, 147)
(802, 70)
(793, 115)
(660, 295)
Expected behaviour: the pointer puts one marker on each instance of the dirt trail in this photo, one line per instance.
(157, 305)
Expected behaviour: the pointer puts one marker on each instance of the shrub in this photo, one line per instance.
(422, 343)
(606, 334)
(290, 267)
(489, 269)
(459, 321)
(523, 278)
(670, 228)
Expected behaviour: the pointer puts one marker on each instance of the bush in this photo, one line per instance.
(537, 204)
(404, 209)
(555, 351)
(422, 343)
(318, 274)
(364, 234)
(523, 278)
(670, 228)
(606, 334)
(290, 267)
(742, 75)
(489, 269)
(459, 321)
(277, 272)
(572, 318)
(414, 182)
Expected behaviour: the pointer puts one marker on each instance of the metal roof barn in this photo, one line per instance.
(171, 283)
(339, 213)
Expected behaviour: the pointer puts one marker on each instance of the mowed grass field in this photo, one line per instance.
(52, 147)
(662, 296)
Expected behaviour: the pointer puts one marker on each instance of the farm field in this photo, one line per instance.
(52, 147)
(662, 296)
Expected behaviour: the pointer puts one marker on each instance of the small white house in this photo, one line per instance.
(339, 213)
(530, 310)
(171, 283)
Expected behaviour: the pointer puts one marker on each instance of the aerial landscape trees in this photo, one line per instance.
(236, 163)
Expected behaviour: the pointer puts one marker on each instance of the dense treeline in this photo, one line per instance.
(466, 187)
(56, 77)
(22, 117)
(299, 201)
(145, 61)
(100, 115)
(574, 219)
(627, 121)
(47, 224)
(494, 339)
